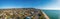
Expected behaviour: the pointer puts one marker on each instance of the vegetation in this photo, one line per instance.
(21, 13)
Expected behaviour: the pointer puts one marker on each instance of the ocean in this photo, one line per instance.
(53, 14)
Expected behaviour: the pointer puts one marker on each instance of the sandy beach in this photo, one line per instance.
(45, 15)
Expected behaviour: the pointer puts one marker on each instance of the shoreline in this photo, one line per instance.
(45, 15)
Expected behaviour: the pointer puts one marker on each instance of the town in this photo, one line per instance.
(21, 13)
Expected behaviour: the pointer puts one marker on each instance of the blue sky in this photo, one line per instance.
(41, 4)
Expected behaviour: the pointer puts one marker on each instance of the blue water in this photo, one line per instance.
(53, 14)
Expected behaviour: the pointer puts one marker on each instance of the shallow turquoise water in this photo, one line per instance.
(53, 14)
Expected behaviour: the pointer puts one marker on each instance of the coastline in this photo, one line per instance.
(45, 15)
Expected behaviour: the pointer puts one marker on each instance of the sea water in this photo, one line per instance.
(53, 14)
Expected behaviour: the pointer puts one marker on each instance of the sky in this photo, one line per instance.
(40, 4)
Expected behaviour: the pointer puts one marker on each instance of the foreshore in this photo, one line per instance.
(45, 15)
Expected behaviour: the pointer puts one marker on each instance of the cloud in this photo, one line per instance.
(55, 6)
